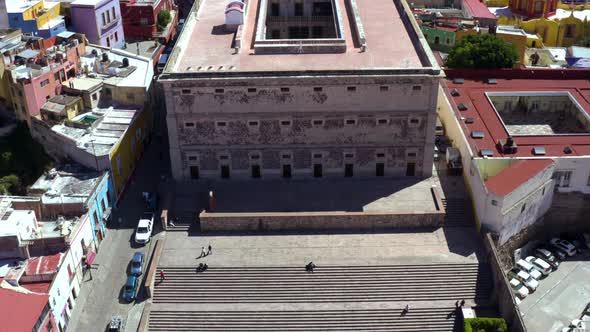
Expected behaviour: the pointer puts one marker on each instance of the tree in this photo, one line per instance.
(164, 19)
(482, 51)
(10, 185)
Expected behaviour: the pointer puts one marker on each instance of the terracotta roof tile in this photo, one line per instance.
(515, 175)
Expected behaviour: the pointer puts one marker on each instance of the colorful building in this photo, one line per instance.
(36, 75)
(37, 17)
(534, 8)
(10, 42)
(140, 19)
(100, 21)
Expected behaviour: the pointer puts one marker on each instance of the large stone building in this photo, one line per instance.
(301, 89)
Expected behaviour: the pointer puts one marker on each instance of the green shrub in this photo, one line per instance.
(164, 19)
(482, 51)
(482, 324)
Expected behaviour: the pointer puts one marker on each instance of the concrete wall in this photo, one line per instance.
(502, 293)
(580, 176)
(404, 104)
(316, 221)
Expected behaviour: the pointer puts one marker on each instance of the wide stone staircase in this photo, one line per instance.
(343, 297)
(459, 212)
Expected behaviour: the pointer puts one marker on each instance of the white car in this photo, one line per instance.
(530, 282)
(578, 324)
(529, 268)
(519, 288)
(539, 264)
(569, 248)
(144, 228)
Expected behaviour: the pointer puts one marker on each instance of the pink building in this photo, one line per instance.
(38, 73)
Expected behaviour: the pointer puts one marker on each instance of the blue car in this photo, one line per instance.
(137, 263)
(130, 289)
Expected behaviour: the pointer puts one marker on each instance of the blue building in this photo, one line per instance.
(73, 190)
(40, 18)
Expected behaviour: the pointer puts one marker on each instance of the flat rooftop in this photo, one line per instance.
(392, 42)
(555, 131)
(67, 185)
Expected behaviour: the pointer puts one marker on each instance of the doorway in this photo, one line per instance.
(225, 172)
(317, 170)
(287, 171)
(348, 170)
(380, 169)
(411, 169)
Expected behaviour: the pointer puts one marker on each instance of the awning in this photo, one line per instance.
(90, 256)
(66, 34)
(28, 54)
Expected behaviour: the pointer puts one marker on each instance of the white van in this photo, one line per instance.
(539, 264)
(528, 268)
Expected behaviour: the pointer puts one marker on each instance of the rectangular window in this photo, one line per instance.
(108, 16)
(383, 88)
(45, 82)
(380, 155)
(274, 9)
(103, 205)
(417, 88)
(221, 124)
(223, 157)
(351, 89)
(299, 9)
(285, 89)
(104, 21)
(382, 121)
(317, 155)
(411, 154)
(189, 124)
(350, 122)
(108, 42)
(219, 90)
(116, 35)
(114, 14)
(192, 158)
(318, 89)
(414, 121)
(318, 123)
(285, 123)
(494, 202)
(186, 91)
(253, 123)
(251, 90)
(95, 96)
(286, 156)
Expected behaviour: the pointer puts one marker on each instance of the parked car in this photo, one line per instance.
(530, 282)
(539, 264)
(130, 291)
(436, 154)
(578, 324)
(519, 288)
(563, 245)
(528, 268)
(137, 263)
(558, 253)
(116, 324)
(144, 228)
(548, 257)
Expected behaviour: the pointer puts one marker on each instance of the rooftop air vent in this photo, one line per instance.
(469, 120)
(492, 81)
(455, 93)
(486, 153)
(458, 80)
(125, 62)
(105, 57)
(94, 52)
(567, 150)
(539, 151)
(477, 134)
(462, 107)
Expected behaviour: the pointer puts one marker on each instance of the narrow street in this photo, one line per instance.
(101, 296)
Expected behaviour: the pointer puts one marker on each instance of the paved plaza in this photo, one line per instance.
(560, 298)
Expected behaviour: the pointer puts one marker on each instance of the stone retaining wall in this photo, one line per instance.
(331, 220)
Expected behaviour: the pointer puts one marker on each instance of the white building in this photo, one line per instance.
(521, 142)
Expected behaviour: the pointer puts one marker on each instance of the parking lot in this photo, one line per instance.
(560, 297)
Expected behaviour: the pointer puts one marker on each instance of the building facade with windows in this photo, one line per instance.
(39, 18)
(140, 19)
(524, 141)
(100, 21)
(295, 95)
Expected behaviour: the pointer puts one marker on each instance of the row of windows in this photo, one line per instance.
(287, 170)
(289, 123)
(106, 16)
(287, 156)
(383, 88)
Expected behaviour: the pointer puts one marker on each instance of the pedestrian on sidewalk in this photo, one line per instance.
(209, 251)
(162, 276)
(407, 308)
(203, 252)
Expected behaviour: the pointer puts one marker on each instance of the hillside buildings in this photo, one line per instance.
(140, 19)
(39, 18)
(285, 91)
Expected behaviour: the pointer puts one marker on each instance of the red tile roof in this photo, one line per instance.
(472, 93)
(20, 311)
(515, 175)
(478, 9)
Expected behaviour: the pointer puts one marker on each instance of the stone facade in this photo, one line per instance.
(354, 124)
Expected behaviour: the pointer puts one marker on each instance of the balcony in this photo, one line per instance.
(105, 28)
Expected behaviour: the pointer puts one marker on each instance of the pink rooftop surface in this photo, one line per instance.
(388, 41)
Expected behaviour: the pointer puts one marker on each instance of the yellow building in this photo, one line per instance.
(556, 31)
(36, 17)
